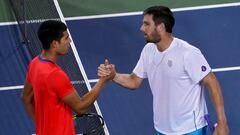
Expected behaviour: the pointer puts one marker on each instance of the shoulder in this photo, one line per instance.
(58, 77)
(186, 48)
(33, 62)
(149, 47)
(58, 72)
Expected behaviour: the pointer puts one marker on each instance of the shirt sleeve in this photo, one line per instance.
(139, 69)
(196, 65)
(59, 82)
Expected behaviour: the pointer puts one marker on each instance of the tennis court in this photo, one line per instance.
(111, 30)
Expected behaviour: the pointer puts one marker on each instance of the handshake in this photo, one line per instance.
(106, 71)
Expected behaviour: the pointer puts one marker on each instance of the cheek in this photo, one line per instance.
(149, 30)
(67, 47)
(64, 48)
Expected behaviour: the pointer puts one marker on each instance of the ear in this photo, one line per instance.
(161, 27)
(54, 43)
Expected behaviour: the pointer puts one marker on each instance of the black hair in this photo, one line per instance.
(161, 14)
(50, 30)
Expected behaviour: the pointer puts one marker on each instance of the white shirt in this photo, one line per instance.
(174, 75)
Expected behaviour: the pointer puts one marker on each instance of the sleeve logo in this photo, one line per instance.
(204, 68)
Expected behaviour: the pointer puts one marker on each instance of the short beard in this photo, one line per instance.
(154, 38)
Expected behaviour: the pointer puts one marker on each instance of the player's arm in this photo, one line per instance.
(130, 81)
(210, 81)
(28, 99)
(81, 104)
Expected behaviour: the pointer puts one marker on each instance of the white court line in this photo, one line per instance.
(17, 87)
(11, 87)
(95, 80)
(225, 69)
(8, 23)
(213, 70)
(138, 12)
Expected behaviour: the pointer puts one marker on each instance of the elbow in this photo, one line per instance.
(80, 111)
(80, 108)
(134, 86)
(27, 99)
(24, 99)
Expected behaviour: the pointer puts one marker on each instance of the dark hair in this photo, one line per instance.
(161, 14)
(50, 30)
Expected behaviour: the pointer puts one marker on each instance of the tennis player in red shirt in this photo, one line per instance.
(48, 95)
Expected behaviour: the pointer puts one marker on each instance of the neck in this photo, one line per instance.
(49, 56)
(165, 42)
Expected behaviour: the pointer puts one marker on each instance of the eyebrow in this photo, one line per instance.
(146, 22)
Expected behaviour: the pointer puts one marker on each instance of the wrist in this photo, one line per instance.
(114, 77)
(102, 80)
(222, 121)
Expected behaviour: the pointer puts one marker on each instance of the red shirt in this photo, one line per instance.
(50, 84)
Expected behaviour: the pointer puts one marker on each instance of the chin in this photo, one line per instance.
(149, 41)
(63, 53)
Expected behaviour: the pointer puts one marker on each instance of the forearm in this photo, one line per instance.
(29, 107)
(217, 99)
(31, 112)
(216, 96)
(129, 81)
(88, 99)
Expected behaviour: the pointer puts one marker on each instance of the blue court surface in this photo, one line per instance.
(214, 30)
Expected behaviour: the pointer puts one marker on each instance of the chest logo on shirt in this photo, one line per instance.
(170, 63)
(204, 68)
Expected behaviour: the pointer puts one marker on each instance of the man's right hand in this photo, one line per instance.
(106, 71)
